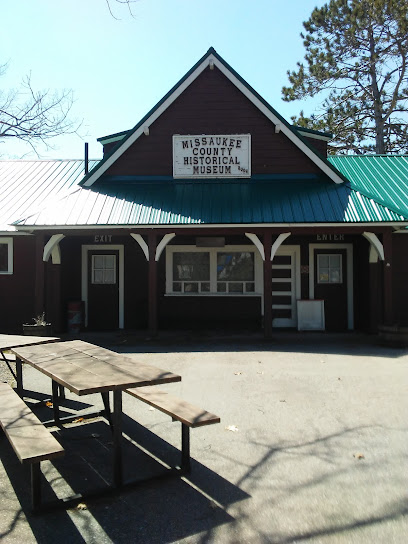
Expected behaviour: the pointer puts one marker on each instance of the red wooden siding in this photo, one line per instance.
(212, 105)
(17, 289)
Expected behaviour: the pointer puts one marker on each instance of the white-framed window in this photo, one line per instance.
(329, 268)
(230, 270)
(103, 269)
(6, 255)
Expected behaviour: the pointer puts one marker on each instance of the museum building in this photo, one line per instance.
(213, 212)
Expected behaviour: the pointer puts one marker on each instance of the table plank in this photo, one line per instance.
(143, 370)
(84, 368)
(112, 362)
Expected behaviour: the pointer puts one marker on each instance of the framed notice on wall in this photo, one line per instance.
(212, 156)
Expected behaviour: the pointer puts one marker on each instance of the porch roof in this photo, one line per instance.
(26, 185)
(271, 199)
(381, 177)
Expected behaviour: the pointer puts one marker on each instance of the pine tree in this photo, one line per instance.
(357, 56)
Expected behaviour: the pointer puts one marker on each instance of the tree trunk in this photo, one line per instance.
(378, 119)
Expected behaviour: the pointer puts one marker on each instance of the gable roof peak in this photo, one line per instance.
(211, 56)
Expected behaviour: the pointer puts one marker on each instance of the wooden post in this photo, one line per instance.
(374, 297)
(57, 306)
(39, 302)
(388, 302)
(267, 242)
(152, 296)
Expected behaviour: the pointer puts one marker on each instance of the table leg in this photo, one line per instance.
(19, 376)
(35, 485)
(105, 398)
(185, 448)
(117, 438)
(61, 389)
(55, 401)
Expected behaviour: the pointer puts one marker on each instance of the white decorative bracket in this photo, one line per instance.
(162, 244)
(278, 242)
(52, 248)
(257, 242)
(376, 247)
(144, 247)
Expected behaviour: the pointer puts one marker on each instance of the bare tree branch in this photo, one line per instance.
(128, 4)
(35, 117)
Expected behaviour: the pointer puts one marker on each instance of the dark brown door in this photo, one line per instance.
(331, 285)
(103, 290)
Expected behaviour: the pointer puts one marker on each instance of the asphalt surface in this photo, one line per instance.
(312, 447)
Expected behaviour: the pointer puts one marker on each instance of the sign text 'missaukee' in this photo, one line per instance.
(212, 156)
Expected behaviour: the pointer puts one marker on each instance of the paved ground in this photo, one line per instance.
(312, 447)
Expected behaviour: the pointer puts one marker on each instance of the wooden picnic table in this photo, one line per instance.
(84, 368)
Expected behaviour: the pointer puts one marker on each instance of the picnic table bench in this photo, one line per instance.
(31, 441)
(190, 416)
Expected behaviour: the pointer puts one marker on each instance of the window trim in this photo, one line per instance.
(170, 249)
(9, 242)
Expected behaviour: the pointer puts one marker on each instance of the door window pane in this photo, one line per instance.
(104, 269)
(329, 269)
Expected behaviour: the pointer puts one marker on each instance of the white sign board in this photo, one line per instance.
(212, 156)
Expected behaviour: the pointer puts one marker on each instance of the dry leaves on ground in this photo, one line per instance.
(359, 456)
(232, 428)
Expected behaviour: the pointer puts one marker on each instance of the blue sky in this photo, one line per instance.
(119, 69)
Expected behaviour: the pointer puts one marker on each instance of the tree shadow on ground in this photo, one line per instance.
(154, 511)
(322, 449)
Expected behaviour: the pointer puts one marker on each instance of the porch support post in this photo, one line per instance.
(374, 296)
(39, 300)
(56, 308)
(388, 302)
(152, 295)
(267, 242)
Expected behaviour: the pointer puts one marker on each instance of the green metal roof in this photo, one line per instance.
(26, 185)
(133, 202)
(381, 177)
